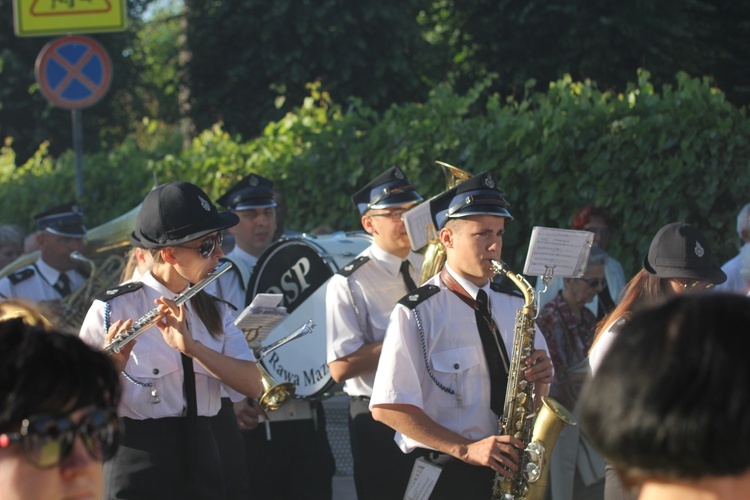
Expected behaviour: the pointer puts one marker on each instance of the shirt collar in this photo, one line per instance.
(391, 262)
(249, 259)
(467, 285)
(149, 280)
(48, 272)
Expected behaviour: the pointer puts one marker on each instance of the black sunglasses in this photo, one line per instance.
(595, 283)
(48, 440)
(207, 248)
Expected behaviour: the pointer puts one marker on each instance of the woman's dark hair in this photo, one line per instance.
(671, 396)
(51, 372)
(644, 290)
(206, 306)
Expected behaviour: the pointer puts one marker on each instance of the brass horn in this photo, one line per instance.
(434, 256)
(274, 393)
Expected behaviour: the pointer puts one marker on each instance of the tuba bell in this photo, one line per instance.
(434, 256)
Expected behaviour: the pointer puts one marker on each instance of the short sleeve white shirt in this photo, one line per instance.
(152, 361)
(39, 287)
(450, 351)
(358, 307)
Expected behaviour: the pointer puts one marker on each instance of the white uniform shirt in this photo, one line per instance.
(229, 285)
(152, 361)
(39, 287)
(455, 356)
(375, 287)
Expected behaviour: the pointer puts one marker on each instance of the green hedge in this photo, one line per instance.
(649, 156)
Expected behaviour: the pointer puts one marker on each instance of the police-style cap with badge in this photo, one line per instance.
(389, 189)
(478, 195)
(680, 250)
(63, 220)
(253, 191)
(176, 213)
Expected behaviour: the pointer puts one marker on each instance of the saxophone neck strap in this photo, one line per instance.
(453, 285)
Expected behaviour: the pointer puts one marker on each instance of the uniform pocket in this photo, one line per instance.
(453, 369)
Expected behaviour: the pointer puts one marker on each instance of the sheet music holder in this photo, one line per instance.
(558, 252)
(419, 225)
(259, 319)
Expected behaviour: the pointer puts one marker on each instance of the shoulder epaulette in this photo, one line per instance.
(416, 297)
(348, 269)
(111, 293)
(21, 275)
(506, 287)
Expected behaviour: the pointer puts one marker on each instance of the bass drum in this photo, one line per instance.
(299, 269)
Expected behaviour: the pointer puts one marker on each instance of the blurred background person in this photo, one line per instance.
(53, 276)
(597, 221)
(11, 244)
(30, 243)
(137, 262)
(737, 269)
(668, 406)
(576, 469)
(679, 260)
(58, 421)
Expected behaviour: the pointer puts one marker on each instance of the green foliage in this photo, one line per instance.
(650, 156)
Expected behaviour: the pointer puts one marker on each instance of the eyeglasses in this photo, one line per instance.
(48, 441)
(207, 248)
(595, 283)
(395, 215)
(695, 284)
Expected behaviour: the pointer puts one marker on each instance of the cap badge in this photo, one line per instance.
(205, 204)
(253, 181)
(398, 173)
(699, 249)
(488, 182)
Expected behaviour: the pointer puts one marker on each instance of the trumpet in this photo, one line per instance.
(274, 393)
(150, 318)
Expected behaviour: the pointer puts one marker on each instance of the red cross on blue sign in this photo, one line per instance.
(73, 72)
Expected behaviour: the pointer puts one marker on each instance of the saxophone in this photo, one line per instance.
(530, 482)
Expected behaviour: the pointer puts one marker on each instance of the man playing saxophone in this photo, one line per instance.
(442, 374)
(54, 275)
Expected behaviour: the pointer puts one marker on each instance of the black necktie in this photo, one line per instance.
(410, 285)
(63, 285)
(491, 344)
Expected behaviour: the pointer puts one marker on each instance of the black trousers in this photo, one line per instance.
(297, 463)
(458, 479)
(232, 451)
(381, 469)
(162, 458)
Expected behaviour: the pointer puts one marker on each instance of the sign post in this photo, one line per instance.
(74, 72)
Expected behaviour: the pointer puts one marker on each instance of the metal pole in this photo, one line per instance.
(78, 150)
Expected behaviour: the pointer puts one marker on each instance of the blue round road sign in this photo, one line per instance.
(73, 72)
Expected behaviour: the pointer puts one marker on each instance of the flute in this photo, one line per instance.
(150, 318)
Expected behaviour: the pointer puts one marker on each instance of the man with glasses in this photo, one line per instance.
(359, 301)
(54, 275)
(58, 421)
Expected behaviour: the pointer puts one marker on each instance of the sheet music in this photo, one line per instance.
(565, 252)
(260, 318)
(419, 226)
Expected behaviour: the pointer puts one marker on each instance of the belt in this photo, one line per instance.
(293, 409)
(360, 398)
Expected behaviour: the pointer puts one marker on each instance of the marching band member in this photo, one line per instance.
(53, 276)
(442, 374)
(359, 300)
(172, 376)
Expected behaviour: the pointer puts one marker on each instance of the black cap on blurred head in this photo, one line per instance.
(175, 213)
(65, 220)
(253, 191)
(681, 251)
(476, 196)
(389, 189)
